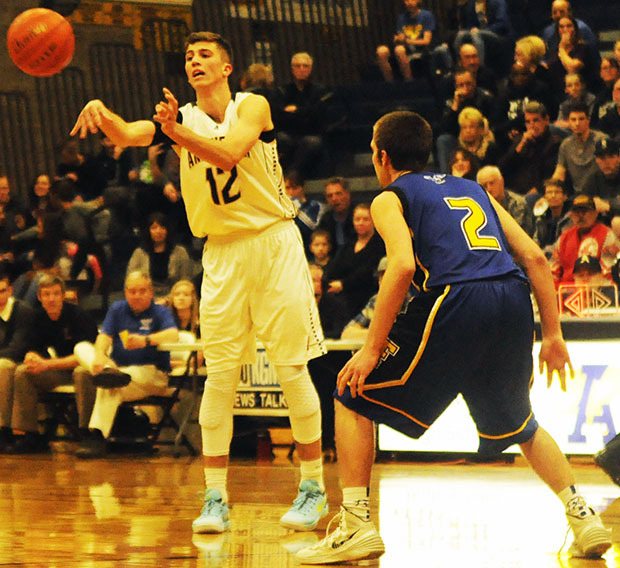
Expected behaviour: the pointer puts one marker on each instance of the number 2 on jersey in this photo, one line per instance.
(221, 183)
(472, 223)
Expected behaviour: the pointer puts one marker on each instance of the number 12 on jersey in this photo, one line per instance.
(221, 185)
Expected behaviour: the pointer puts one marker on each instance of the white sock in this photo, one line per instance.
(575, 504)
(215, 478)
(313, 470)
(356, 500)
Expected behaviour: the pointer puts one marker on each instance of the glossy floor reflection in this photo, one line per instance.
(57, 511)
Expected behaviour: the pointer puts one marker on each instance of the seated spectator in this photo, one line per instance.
(338, 219)
(562, 9)
(132, 329)
(604, 183)
(158, 257)
(351, 272)
(587, 237)
(320, 247)
(115, 163)
(300, 116)
(83, 169)
(610, 123)
(576, 154)
(485, 24)
(184, 304)
(610, 73)
(468, 59)
(532, 157)
(491, 179)
(476, 137)
(573, 55)
(576, 92)
(258, 79)
(466, 94)
(551, 216)
(530, 51)
(309, 211)
(16, 319)
(412, 40)
(587, 270)
(519, 89)
(464, 164)
(58, 326)
(324, 370)
(39, 196)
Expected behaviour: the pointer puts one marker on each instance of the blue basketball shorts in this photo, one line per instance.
(472, 338)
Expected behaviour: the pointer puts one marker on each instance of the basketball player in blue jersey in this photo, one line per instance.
(256, 279)
(448, 240)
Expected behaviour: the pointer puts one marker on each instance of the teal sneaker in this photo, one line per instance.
(214, 515)
(309, 507)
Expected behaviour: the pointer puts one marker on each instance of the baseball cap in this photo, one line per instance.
(587, 263)
(583, 203)
(606, 147)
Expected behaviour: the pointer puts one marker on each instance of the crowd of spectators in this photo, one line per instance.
(539, 130)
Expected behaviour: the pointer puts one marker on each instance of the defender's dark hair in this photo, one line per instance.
(407, 139)
(211, 37)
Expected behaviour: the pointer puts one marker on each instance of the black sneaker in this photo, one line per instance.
(94, 446)
(111, 378)
(29, 443)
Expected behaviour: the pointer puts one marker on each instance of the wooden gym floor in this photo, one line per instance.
(56, 511)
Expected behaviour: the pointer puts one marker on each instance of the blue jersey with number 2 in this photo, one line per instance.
(457, 236)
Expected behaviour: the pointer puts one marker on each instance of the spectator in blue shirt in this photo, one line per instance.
(412, 39)
(132, 328)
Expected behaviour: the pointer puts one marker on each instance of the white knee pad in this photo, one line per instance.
(215, 418)
(303, 402)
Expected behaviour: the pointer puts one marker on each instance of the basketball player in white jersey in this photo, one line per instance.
(256, 281)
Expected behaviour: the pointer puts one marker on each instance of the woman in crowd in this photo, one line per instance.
(476, 136)
(573, 55)
(464, 164)
(164, 261)
(351, 272)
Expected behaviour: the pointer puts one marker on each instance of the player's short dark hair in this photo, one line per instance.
(406, 137)
(211, 37)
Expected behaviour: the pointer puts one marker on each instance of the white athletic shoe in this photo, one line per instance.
(214, 515)
(592, 539)
(353, 539)
(309, 507)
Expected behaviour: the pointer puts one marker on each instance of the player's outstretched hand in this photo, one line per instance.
(166, 111)
(554, 358)
(91, 119)
(354, 373)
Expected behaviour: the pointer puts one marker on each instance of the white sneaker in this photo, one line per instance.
(309, 507)
(353, 539)
(592, 539)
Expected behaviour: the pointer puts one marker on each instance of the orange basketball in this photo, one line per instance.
(40, 42)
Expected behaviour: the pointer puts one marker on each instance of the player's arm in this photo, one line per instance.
(254, 117)
(96, 117)
(527, 253)
(387, 215)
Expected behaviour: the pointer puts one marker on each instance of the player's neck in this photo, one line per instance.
(214, 100)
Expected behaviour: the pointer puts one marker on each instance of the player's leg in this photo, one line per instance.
(226, 330)
(285, 315)
(496, 387)
(356, 536)
(542, 452)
